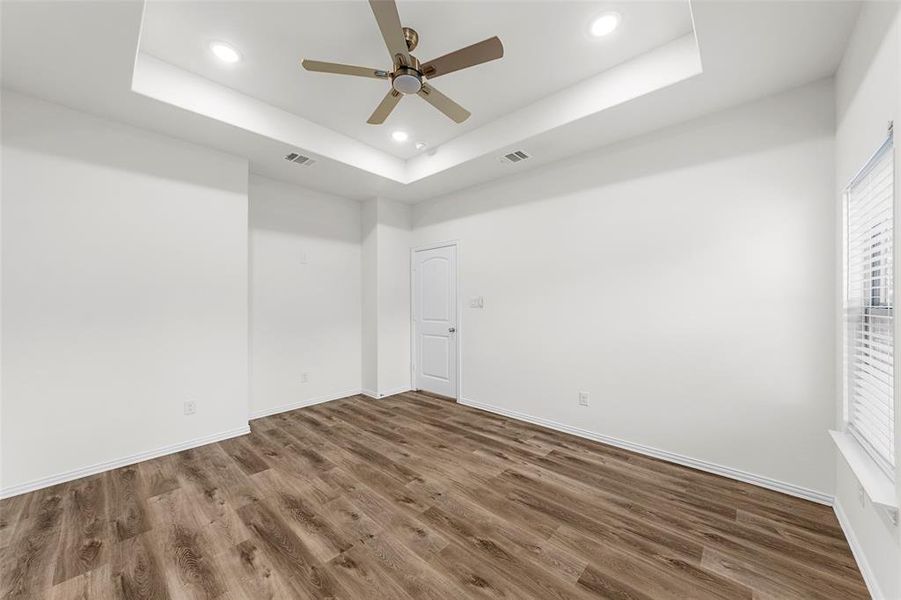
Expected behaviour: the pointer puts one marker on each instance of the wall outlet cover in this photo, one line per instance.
(190, 407)
(584, 398)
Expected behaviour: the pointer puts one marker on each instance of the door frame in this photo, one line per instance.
(459, 333)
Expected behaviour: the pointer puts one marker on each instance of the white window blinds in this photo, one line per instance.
(869, 308)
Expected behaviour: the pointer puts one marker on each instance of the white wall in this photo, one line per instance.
(394, 239)
(305, 291)
(386, 297)
(369, 276)
(867, 98)
(685, 279)
(124, 292)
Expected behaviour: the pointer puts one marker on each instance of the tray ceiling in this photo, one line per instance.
(547, 49)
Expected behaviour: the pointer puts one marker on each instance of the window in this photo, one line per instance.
(869, 308)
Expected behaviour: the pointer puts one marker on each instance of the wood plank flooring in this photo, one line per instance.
(413, 497)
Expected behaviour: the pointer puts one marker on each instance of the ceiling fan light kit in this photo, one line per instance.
(408, 75)
(406, 80)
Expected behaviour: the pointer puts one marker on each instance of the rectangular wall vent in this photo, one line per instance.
(299, 159)
(517, 156)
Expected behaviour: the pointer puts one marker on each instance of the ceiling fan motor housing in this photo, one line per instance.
(406, 80)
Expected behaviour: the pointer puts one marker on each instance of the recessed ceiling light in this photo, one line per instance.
(400, 136)
(224, 52)
(420, 145)
(605, 24)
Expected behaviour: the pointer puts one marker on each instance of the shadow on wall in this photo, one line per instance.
(696, 142)
(44, 128)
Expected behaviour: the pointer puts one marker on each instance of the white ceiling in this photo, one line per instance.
(546, 48)
(82, 54)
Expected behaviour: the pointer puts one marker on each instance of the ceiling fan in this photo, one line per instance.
(407, 74)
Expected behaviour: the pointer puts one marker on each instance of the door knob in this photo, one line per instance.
(452, 329)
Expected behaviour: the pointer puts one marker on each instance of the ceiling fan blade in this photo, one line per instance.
(482, 52)
(450, 108)
(385, 107)
(386, 16)
(339, 69)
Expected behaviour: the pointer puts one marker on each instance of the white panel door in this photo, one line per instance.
(435, 320)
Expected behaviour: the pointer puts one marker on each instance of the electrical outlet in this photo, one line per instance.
(584, 398)
(190, 407)
(861, 495)
(304, 377)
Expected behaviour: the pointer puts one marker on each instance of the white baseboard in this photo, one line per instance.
(386, 393)
(702, 465)
(257, 414)
(397, 390)
(869, 577)
(37, 484)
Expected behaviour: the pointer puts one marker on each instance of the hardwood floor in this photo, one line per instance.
(413, 497)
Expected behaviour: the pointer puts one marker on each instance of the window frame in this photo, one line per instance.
(886, 463)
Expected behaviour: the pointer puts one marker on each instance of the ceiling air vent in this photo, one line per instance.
(299, 159)
(515, 157)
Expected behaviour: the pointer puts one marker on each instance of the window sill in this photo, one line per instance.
(879, 488)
